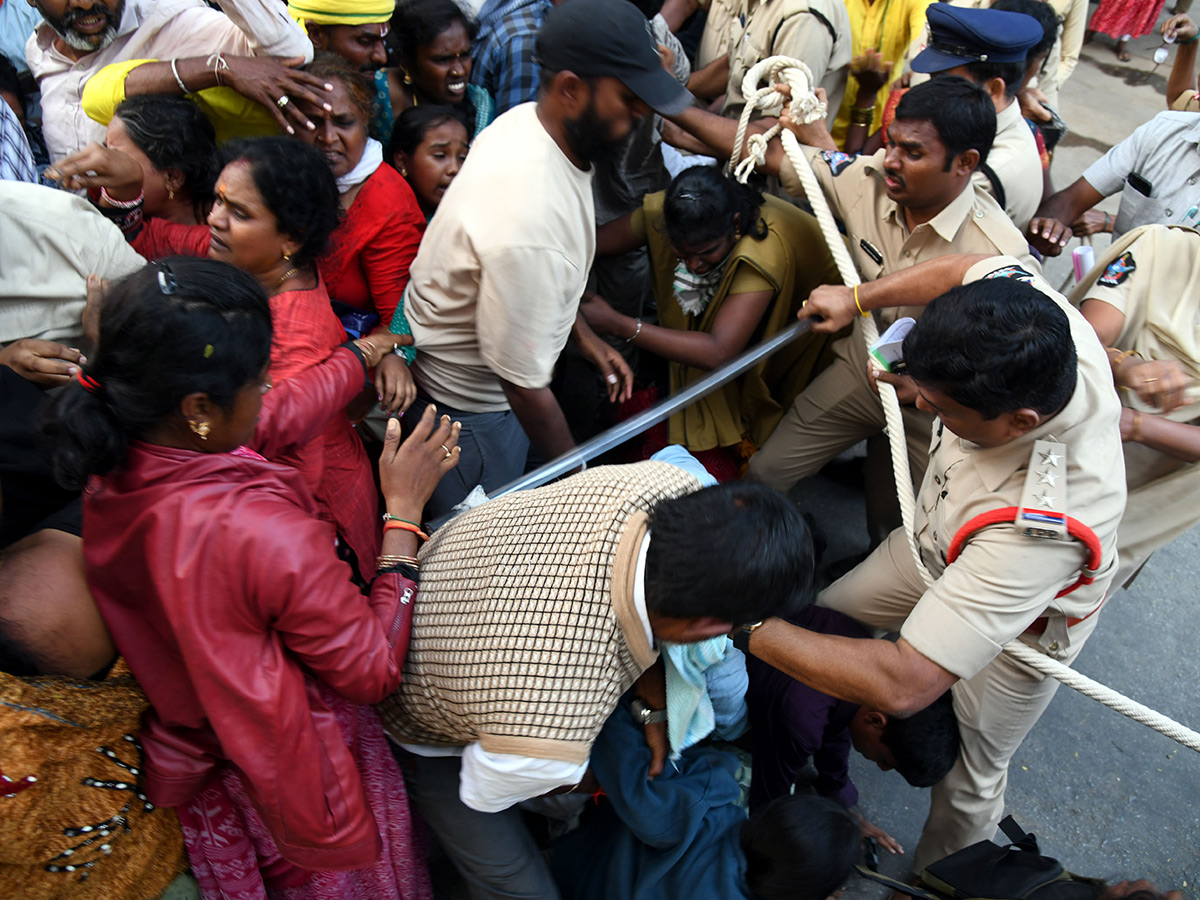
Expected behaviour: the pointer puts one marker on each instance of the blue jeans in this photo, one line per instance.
(493, 450)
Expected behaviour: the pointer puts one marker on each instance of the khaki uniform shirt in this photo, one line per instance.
(1152, 276)
(880, 242)
(1003, 581)
(714, 43)
(816, 32)
(1018, 166)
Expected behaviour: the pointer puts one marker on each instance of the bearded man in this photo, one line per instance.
(495, 287)
(79, 37)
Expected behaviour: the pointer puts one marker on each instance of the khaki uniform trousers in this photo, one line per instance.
(1161, 505)
(835, 412)
(996, 708)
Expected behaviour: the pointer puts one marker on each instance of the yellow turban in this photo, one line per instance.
(341, 12)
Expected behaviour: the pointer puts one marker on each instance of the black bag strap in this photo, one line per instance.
(994, 179)
(1021, 838)
(900, 886)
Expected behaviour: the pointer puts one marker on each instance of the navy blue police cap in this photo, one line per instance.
(959, 36)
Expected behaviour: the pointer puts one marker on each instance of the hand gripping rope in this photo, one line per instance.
(759, 91)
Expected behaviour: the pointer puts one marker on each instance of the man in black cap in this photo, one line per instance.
(495, 287)
(990, 48)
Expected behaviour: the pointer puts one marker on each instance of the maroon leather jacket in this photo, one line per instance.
(222, 589)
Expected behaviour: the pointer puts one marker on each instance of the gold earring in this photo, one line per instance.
(403, 172)
(287, 257)
(201, 429)
(170, 192)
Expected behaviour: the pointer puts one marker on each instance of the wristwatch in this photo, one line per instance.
(644, 715)
(741, 636)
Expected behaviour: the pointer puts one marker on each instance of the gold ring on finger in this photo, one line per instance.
(1149, 380)
(448, 454)
(283, 101)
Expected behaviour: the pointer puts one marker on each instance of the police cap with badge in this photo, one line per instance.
(960, 36)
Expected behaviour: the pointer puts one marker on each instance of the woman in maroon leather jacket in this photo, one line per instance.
(222, 588)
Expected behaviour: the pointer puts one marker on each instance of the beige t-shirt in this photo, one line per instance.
(50, 242)
(497, 281)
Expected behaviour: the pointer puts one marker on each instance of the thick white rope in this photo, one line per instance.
(759, 91)
(806, 108)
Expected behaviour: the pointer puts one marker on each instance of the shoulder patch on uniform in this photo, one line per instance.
(1118, 270)
(1011, 272)
(837, 160)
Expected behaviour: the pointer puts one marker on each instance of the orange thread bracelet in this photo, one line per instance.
(404, 526)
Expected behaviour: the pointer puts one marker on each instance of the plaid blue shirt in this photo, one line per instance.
(16, 159)
(504, 50)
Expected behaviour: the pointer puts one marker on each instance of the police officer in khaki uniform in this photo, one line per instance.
(816, 32)
(990, 47)
(900, 207)
(1029, 419)
(714, 42)
(1143, 300)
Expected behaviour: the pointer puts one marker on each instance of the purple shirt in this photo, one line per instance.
(791, 723)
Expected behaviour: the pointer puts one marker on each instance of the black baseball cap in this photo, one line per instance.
(610, 37)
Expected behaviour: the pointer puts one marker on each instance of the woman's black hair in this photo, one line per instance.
(414, 123)
(179, 326)
(296, 185)
(417, 23)
(799, 847)
(174, 134)
(703, 204)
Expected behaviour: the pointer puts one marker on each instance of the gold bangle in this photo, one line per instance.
(1135, 433)
(1121, 356)
(865, 314)
(390, 560)
(860, 116)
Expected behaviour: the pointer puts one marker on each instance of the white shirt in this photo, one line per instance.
(153, 29)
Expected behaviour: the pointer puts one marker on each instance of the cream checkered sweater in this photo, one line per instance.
(525, 632)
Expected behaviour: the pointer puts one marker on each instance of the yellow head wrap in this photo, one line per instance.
(341, 12)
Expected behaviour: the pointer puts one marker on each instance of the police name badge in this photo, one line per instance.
(1042, 512)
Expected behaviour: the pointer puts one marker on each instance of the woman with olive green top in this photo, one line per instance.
(731, 268)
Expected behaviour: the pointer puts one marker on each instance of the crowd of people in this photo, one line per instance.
(287, 290)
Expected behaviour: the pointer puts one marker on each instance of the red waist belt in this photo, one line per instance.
(1075, 529)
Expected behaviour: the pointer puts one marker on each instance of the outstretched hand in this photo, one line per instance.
(97, 166)
(1048, 236)
(409, 471)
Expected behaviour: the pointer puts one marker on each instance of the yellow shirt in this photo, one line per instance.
(888, 26)
(231, 114)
